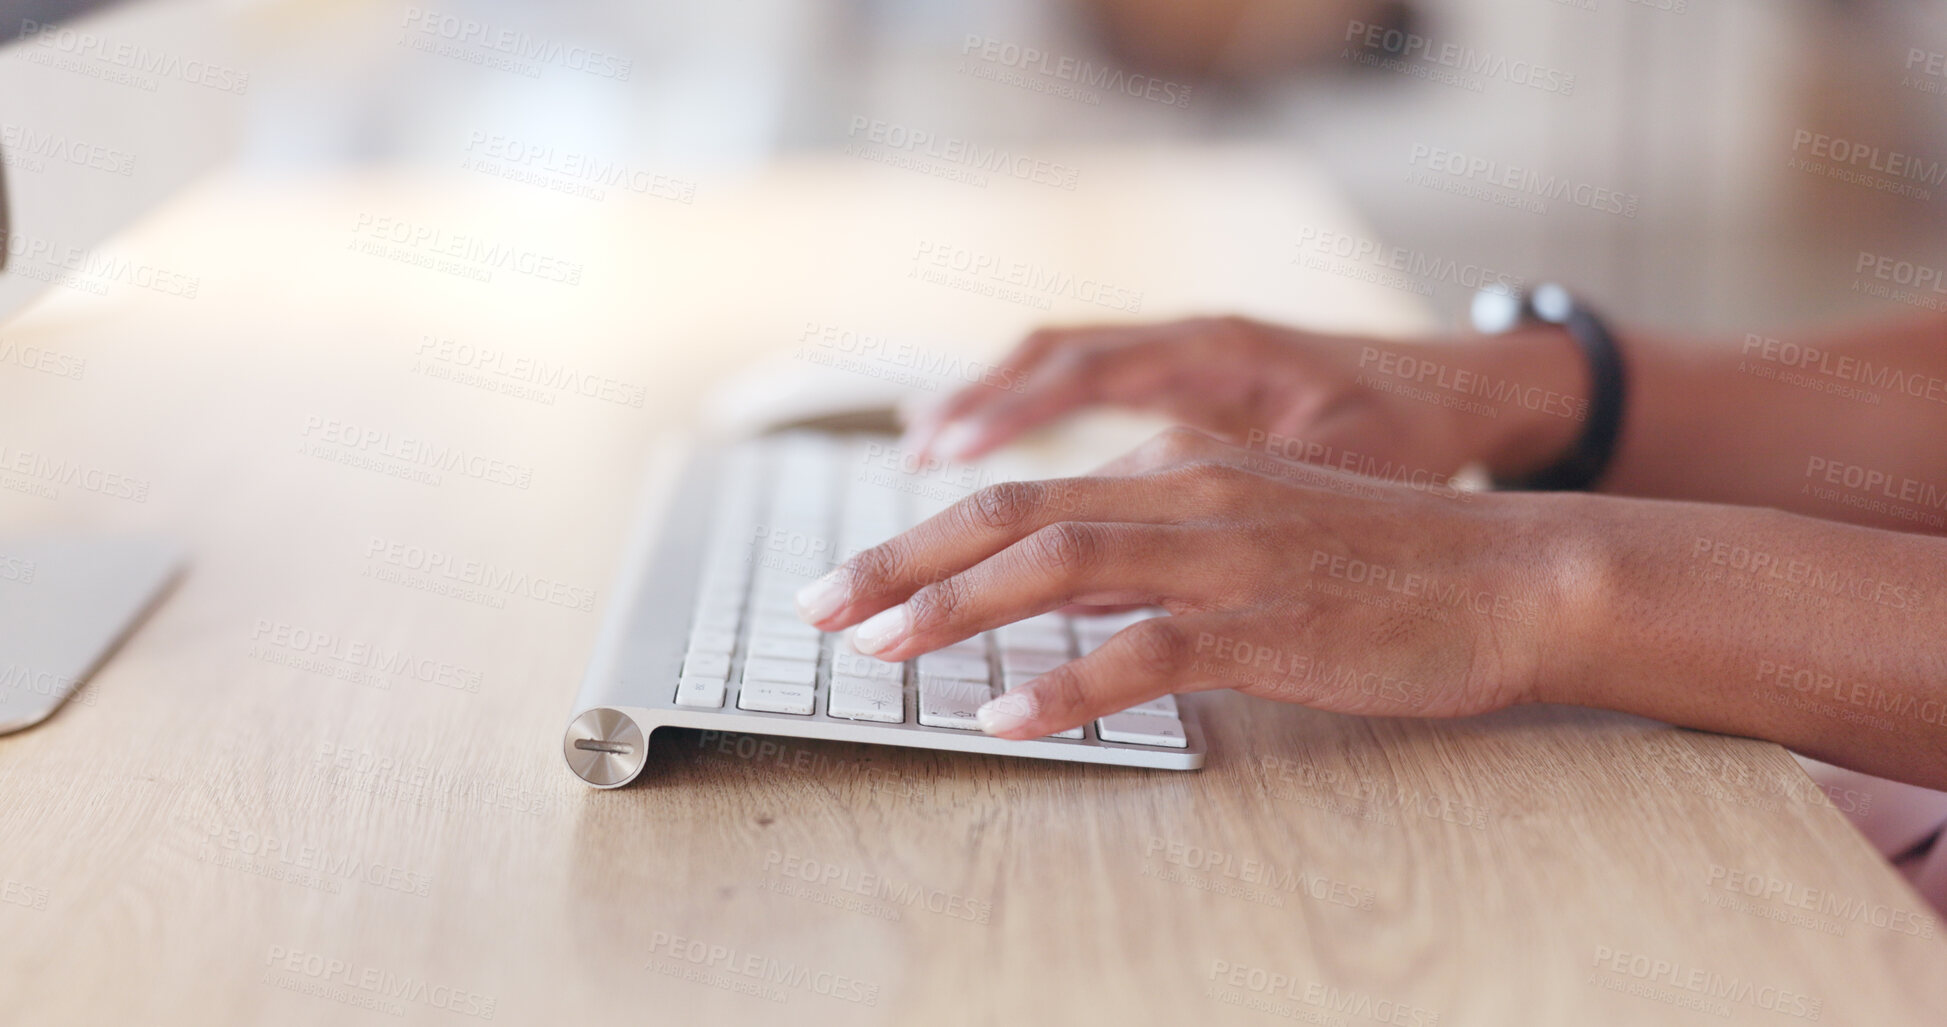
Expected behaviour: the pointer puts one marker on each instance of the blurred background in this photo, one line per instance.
(1699, 117)
(1698, 110)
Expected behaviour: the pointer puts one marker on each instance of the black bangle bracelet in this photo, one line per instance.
(1588, 459)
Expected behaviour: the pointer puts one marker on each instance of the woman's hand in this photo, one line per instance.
(1430, 409)
(1284, 581)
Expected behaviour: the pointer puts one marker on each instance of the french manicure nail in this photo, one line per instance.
(881, 631)
(821, 598)
(998, 716)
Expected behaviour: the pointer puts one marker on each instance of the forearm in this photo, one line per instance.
(1843, 427)
(1828, 638)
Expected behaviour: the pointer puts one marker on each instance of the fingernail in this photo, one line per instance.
(956, 439)
(1006, 713)
(821, 598)
(881, 631)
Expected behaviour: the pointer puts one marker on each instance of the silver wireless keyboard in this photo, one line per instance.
(701, 631)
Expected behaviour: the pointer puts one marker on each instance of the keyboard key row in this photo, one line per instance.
(789, 686)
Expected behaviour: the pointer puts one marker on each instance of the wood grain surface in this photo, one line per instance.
(323, 784)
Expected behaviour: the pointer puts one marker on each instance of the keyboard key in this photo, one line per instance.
(718, 599)
(713, 641)
(858, 665)
(950, 665)
(869, 518)
(1093, 632)
(717, 620)
(782, 672)
(780, 599)
(949, 702)
(780, 581)
(1029, 635)
(862, 698)
(1013, 679)
(871, 531)
(785, 624)
(773, 697)
(723, 579)
(715, 666)
(723, 587)
(702, 693)
(724, 574)
(1027, 661)
(1142, 729)
(1161, 706)
(784, 647)
(780, 615)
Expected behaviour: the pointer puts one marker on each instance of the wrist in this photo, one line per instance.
(1580, 547)
(1537, 386)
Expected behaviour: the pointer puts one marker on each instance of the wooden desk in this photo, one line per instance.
(241, 824)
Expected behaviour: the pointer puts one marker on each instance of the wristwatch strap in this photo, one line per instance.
(1583, 466)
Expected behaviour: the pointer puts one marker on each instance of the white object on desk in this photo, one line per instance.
(65, 603)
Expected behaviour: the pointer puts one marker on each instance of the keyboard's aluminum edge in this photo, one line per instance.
(819, 726)
(654, 582)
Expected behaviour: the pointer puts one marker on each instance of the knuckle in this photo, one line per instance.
(876, 568)
(1156, 646)
(1064, 497)
(1067, 547)
(1218, 485)
(1004, 505)
(1076, 369)
(935, 604)
(1178, 445)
